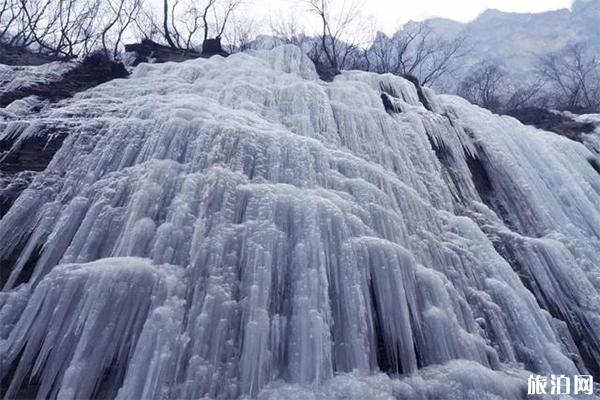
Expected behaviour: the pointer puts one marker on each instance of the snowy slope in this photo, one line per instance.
(235, 227)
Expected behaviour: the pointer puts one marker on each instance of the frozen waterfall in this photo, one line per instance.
(236, 228)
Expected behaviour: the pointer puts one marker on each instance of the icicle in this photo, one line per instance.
(235, 228)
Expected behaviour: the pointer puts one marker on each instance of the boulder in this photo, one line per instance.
(212, 47)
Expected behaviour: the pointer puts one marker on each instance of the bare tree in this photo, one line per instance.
(572, 76)
(416, 51)
(181, 23)
(120, 15)
(58, 27)
(166, 31)
(10, 14)
(524, 95)
(288, 31)
(182, 20)
(73, 28)
(484, 85)
(240, 34)
(148, 24)
(338, 39)
(222, 18)
(489, 85)
(25, 21)
(209, 5)
(192, 26)
(440, 59)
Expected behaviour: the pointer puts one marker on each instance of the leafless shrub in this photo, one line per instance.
(184, 20)
(572, 77)
(339, 37)
(416, 51)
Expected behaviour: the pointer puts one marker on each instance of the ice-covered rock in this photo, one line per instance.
(236, 228)
(14, 78)
(85, 319)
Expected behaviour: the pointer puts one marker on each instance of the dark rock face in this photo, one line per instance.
(11, 186)
(212, 47)
(148, 50)
(21, 159)
(422, 98)
(549, 121)
(326, 72)
(13, 55)
(388, 95)
(94, 70)
(595, 163)
(32, 153)
(388, 104)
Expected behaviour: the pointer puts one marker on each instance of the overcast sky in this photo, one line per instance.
(391, 14)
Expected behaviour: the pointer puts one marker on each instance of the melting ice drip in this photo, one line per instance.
(229, 228)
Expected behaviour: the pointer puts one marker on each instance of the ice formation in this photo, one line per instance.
(20, 77)
(236, 228)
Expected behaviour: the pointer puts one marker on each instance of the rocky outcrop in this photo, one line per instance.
(388, 104)
(150, 51)
(325, 71)
(422, 98)
(213, 47)
(13, 55)
(92, 71)
(548, 120)
(23, 155)
(595, 163)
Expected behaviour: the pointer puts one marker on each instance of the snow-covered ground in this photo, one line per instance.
(235, 227)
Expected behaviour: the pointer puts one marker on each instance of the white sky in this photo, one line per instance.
(389, 15)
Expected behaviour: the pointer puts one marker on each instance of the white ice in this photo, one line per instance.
(234, 227)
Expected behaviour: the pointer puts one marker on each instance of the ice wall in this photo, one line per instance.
(226, 228)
